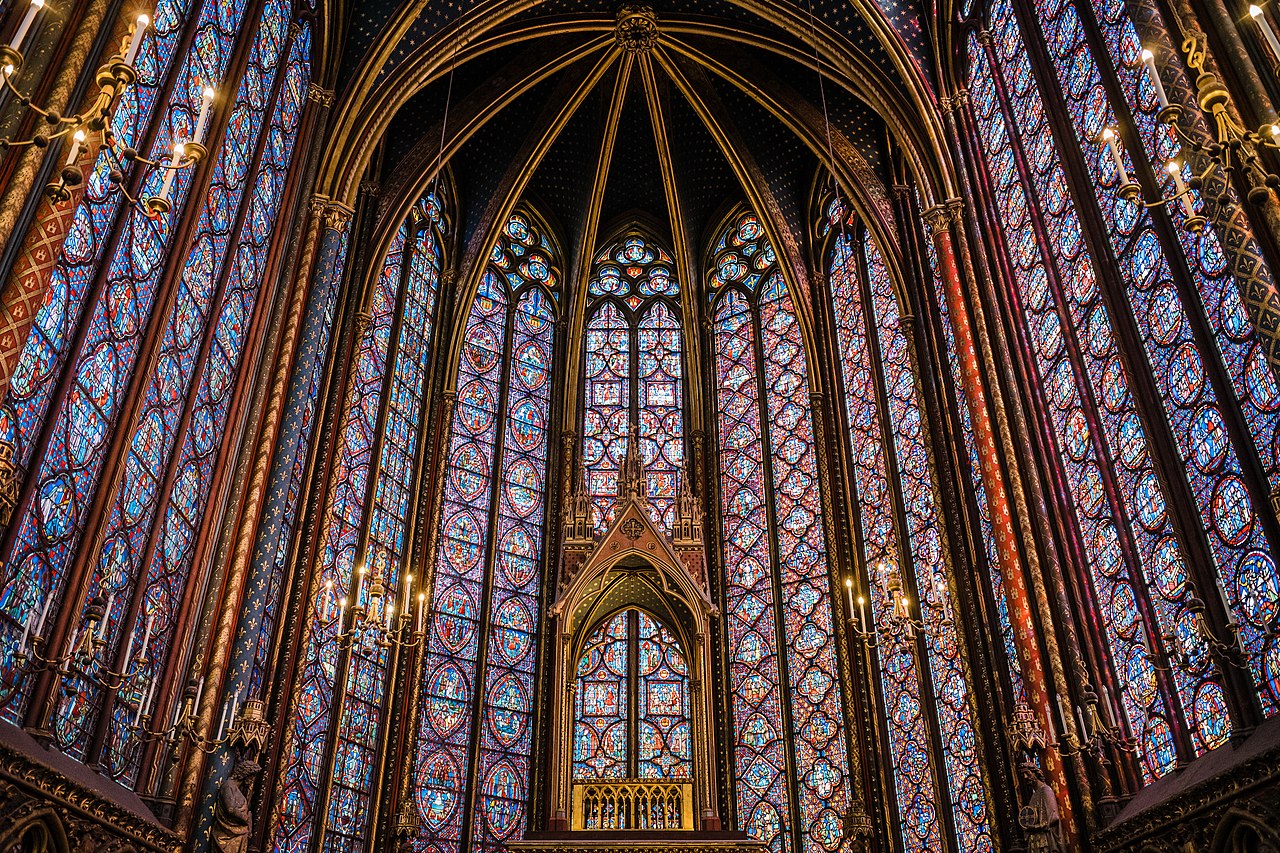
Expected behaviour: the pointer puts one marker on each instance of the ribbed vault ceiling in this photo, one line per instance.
(656, 131)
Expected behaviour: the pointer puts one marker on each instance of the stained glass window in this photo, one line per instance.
(632, 711)
(777, 589)
(634, 375)
(373, 478)
(1134, 550)
(1167, 318)
(481, 643)
(144, 547)
(906, 570)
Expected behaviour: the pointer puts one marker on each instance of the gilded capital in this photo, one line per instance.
(937, 218)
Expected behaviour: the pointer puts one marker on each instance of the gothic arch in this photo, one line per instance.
(40, 830)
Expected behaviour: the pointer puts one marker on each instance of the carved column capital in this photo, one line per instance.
(319, 95)
(937, 219)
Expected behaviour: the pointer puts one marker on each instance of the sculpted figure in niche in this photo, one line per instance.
(231, 816)
(1039, 813)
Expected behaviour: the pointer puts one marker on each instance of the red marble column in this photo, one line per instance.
(1015, 587)
(25, 288)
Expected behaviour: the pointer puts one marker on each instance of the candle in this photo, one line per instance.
(44, 614)
(1109, 136)
(355, 600)
(848, 589)
(77, 139)
(1106, 701)
(1175, 170)
(128, 653)
(422, 604)
(167, 183)
(142, 701)
(1062, 715)
(203, 119)
(23, 28)
(146, 635)
(1269, 34)
(75, 638)
(342, 609)
(1149, 60)
(106, 614)
(391, 612)
(222, 723)
(408, 593)
(135, 39)
(1084, 729)
(26, 630)
(862, 614)
(1053, 735)
(1222, 593)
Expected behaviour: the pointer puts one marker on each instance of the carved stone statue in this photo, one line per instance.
(1039, 813)
(231, 816)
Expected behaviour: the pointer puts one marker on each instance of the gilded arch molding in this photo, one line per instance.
(907, 105)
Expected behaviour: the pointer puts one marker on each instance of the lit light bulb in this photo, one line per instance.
(1263, 24)
(202, 121)
(1149, 60)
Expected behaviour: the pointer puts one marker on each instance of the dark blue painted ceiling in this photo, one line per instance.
(561, 183)
(367, 18)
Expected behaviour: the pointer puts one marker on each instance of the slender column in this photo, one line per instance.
(323, 247)
(940, 223)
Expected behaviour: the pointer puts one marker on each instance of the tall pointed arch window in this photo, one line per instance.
(929, 715)
(477, 691)
(1132, 312)
(633, 375)
(135, 536)
(330, 750)
(790, 755)
(632, 717)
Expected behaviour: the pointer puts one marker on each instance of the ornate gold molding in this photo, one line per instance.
(28, 787)
(637, 28)
(319, 95)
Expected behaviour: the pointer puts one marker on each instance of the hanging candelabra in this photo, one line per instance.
(899, 624)
(118, 72)
(374, 622)
(1232, 148)
(1095, 724)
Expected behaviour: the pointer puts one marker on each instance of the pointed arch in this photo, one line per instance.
(634, 371)
(474, 733)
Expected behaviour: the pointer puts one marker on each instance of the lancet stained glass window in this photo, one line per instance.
(144, 544)
(477, 694)
(370, 500)
(632, 714)
(1135, 548)
(633, 375)
(905, 567)
(782, 664)
(1167, 316)
(31, 578)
